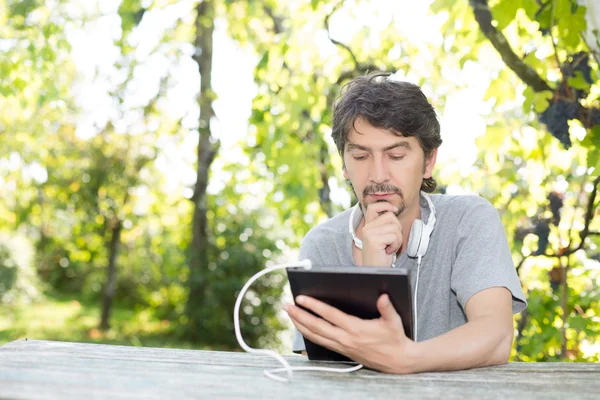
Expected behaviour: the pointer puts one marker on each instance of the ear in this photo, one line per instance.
(345, 172)
(430, 163)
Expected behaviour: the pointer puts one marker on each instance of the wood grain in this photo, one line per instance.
(31, 369)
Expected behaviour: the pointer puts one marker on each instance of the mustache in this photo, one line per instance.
(382, 187)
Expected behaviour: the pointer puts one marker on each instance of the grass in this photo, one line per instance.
(68, 319)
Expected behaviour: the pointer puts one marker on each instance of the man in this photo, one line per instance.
(388, 136)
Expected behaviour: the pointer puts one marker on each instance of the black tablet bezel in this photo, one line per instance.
(354, 290)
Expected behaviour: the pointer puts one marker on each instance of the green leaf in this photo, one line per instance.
(441, 5)
(22, 8)
(19, 83)
(131, 12)
(593, 159)
(570, 26)
(529, 95)
(544, 16)
(592, 143)
(592, 139)
(562, 9)
(579, 82)
(531, 7)
(263, 61)
(541, 100)
(504, 12)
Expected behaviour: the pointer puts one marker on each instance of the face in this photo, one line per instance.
(383, 166)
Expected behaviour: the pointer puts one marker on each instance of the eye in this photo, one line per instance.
(360, 157)
(396, 157)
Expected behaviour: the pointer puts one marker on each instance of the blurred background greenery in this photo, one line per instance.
(154, 154)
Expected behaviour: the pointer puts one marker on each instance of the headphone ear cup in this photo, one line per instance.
(414, 239)
(426, 234)
(357, 242)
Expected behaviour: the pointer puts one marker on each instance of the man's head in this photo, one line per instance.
(388, 134)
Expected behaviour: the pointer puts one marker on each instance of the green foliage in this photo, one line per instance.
(541, 190)
(18, 281)
(242, 247)
(131, 13)
(279, 185)
(8, 271)
(71, 318)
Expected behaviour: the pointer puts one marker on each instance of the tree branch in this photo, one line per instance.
(351, 74)
(593, 52)
(483, 16)
(359, 68)
(589, 214)
(520, 327)
(581, 190)
(340, 44)
(277, 21)
(518, 268)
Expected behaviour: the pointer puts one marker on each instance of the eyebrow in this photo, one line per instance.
(354, 146)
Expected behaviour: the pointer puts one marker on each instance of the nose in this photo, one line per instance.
(379, 169)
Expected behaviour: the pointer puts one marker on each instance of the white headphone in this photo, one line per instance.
(418, 242)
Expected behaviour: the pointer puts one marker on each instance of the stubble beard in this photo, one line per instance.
(385, 188)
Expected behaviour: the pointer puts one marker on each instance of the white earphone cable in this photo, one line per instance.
(416, 293)
(286, 366)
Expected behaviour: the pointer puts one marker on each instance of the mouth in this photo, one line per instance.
(381, 196)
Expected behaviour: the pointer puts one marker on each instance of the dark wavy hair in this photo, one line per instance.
(400, 107)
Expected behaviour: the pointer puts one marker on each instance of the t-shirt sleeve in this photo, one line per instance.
(483, 259)
(308, 250)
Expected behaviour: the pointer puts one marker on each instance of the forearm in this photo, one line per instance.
(478, 343)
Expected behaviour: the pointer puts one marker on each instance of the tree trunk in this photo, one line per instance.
(325, 191)
(207, 149)
(565, 309)
(111, 276)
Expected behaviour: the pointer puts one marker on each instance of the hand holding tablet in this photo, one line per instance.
(354, 291)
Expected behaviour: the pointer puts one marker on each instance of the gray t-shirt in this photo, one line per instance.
(468, 252)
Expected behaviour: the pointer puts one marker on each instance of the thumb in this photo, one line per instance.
(387, 311)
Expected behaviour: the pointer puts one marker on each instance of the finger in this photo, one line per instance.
(372, 229)
(388, 312)
(318, 325)
(384, 240)
(341, 321)
(374, 209)
(373, 234)
(316, 338)
(387, 218)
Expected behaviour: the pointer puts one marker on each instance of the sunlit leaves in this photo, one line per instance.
(131, 13)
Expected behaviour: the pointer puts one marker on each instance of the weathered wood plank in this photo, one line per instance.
(43, 369)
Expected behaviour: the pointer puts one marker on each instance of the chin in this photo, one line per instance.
(401, 206)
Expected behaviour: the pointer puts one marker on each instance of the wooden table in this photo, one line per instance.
(32, 369)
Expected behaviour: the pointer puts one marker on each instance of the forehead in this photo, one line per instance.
(366, 135)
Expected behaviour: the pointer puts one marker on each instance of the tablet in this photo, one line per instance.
(353, 290)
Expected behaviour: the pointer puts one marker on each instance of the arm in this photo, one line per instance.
(486, 339)
(382, 345)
